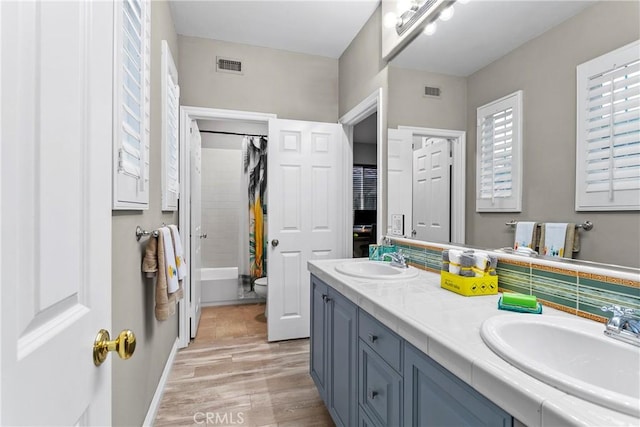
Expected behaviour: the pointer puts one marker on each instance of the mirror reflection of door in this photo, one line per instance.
(432, 190)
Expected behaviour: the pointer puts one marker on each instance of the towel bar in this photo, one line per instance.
(586, 226)
(142, 232)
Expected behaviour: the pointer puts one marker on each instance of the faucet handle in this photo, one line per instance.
(618, 310)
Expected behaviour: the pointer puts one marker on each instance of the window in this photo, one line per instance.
(608, 132)
(365, 179)
(170, 120)
(499, 155)
(131, 105)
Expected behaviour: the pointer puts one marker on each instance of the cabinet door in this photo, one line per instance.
(318, 347)
(342, 360)
(380, 388)
(435, 397)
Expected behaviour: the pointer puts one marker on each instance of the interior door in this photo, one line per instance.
(431, 190)
(196, 234)
(305, 189)
(399, 173)
(55, 211)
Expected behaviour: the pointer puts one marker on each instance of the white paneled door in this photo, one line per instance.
(432, 190)
(305, 205)
(55, 211)
(195, 171)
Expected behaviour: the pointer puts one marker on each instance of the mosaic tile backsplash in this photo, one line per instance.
(572, 289)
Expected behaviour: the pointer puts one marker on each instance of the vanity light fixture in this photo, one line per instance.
(411, 12)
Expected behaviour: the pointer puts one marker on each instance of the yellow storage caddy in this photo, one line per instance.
(469, 286)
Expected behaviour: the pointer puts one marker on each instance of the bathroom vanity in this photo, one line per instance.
(401, 352)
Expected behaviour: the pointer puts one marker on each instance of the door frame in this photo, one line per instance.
(371, 104)
(458, 175)
(188, 113)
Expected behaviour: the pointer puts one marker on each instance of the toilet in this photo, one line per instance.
(260, 287)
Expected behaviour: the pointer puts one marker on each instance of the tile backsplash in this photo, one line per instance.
(575, 289)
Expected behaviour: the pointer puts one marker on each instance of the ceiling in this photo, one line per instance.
(482, 31)
(315, 27)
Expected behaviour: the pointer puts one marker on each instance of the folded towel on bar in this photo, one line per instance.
(181, 265)
(170, 271)
(557, 239)
(154, 261)
(526, 234)
(150, 260)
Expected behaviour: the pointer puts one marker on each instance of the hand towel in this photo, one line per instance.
(150, 260)
(165, 303)
(553, 238)
(181, 265)
(170, 270)
(525, 234)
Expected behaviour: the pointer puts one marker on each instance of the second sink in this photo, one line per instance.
(572, 355)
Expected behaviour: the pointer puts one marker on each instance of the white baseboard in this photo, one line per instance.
(157, 396)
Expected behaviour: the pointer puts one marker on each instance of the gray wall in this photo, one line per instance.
(361, 68)
(135, 380)
(291, 85)
(545, 69)
(361, 72)
(409, 107)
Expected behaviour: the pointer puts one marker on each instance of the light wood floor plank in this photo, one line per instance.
(231, 375)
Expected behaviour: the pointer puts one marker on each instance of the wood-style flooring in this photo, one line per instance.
(231, 376)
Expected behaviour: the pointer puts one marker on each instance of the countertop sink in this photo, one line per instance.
(572, 355)
(376, 270)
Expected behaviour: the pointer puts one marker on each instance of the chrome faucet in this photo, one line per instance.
(398, 259)
(624, 325)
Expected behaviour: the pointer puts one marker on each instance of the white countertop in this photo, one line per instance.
(446, 326)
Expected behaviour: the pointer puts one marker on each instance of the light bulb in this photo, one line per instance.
(390, 19)
(430, 28)
(446, 14)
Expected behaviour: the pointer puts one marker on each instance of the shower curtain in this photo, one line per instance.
(255, 178)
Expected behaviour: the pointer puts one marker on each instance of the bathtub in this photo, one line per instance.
(220, 287)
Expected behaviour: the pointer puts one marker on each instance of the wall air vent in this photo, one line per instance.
(431, 92)
(228, 65)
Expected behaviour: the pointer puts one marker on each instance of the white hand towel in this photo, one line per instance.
(171, 272)
(555, 234)
(524, 234)
(181, 264)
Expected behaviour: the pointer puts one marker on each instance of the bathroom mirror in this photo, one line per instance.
(486, 50)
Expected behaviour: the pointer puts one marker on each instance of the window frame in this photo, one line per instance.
(512, 203)
(611, 199)
(170, 152)
(131, 189)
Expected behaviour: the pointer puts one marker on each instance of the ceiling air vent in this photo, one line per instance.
(228, 65)
(431, 92)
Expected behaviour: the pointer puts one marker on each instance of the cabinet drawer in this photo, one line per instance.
(382, 339)
(380, 388)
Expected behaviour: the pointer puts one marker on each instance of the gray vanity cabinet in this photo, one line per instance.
(435, 397)
(368, 375)
(333, 358)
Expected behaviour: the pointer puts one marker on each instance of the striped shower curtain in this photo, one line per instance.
(255, 169)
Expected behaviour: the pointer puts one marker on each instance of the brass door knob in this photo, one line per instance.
(124, 345)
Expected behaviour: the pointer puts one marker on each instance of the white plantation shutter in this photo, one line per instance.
(499, 158)
(608, 131)
(170, 119)
(365, 185)
(132, 105)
